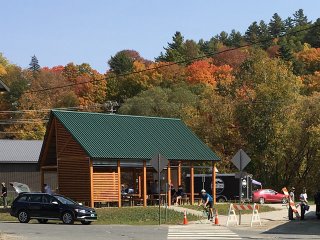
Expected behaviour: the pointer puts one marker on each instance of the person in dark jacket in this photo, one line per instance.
(4, 194)
(179, 194)
(317, 202)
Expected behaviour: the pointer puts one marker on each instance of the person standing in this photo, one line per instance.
(47, 189)
(290, 211)
(317, 202)
(303, 202)
(4, 194)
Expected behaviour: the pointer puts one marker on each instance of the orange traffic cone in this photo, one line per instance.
(216, 219)
(185, 220)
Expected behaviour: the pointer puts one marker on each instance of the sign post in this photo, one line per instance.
(240, 160)
(159, 162)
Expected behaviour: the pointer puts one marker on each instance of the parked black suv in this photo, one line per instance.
(44, 207)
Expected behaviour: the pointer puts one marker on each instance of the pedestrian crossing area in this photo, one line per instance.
(200, 232)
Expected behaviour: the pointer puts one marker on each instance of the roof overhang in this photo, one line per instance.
(19, 162)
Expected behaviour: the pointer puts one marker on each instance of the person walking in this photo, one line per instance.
(4, 194)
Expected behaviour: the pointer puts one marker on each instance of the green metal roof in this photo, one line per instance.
(111, 136)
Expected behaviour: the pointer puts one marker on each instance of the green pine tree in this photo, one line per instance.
(34, 64)
(276, 26)
(299, 18)
(175, 50)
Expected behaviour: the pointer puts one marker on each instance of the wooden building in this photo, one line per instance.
(19, 163)
(90, 151)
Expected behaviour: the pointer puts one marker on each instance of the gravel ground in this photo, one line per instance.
(8, 237)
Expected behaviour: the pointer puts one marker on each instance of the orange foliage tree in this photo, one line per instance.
(205, 72)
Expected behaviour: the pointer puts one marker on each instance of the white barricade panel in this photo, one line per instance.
(232, 217)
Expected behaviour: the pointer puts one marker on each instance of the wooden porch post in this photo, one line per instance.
(192, 183)
(214, 194)
(134, 179)
(91, 184)
(179, 173)
(144, 183)
(169, 184)
(119, 183)
(139, 186)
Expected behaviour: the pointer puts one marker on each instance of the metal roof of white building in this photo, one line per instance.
(20, 151)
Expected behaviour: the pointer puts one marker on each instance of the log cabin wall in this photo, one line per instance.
(73, 166)
(105, 186)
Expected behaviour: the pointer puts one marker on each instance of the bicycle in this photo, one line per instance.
(206, 212)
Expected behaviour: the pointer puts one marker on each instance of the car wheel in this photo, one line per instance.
(43, 221)
(284, 200)
(261, 201)
(221, 200)
(67, 218)
(86, 222)
(23, 216)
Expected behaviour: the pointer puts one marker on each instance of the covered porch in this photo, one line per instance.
(96, 157)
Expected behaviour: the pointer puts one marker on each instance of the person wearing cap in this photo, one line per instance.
(290, 211)
(4, 195)
(207, 201)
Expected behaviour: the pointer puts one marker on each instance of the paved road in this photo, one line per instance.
(274, 226)
(283, 229)
(200, 232)
(79, 232)
(96, 232)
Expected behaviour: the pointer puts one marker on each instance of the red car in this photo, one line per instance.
(268, 196)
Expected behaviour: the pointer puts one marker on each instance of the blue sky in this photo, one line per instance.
(63, 31)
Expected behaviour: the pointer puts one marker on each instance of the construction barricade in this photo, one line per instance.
(291, 202)
(232, 217)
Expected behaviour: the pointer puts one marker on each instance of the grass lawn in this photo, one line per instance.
(224, 208)
(126, 215)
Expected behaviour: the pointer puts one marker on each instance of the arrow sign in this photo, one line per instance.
(159, 162)
(241, 159)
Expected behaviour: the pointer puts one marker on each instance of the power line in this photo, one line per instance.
(150, 69)
(97, 105)
(176, 62)
(48, 109)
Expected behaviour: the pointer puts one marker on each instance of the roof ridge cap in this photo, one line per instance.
(118, 115)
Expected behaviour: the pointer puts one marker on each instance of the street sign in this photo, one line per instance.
(241, 159)
(159, 162)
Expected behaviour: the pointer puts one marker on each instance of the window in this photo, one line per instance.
(22, 199)
(35, 198)
(65, 200)
(48, 199)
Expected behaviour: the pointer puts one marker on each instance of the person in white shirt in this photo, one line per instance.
(303, 203)
(304, 196)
